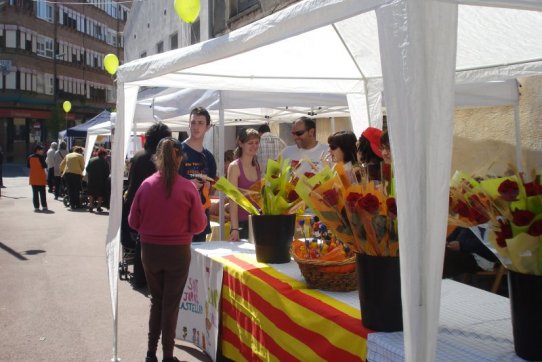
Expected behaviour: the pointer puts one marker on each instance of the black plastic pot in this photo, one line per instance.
(272, 235)
(379, 288)
(526, 305)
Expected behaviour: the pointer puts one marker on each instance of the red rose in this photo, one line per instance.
(292, 196)
(522, 217)
(509, 190)
(533, 188)
(351, 200)
(504, 233)
(392, 206)
(477, 216)
(309, 174)
(462, 209)
(331, 197)
(370, 203)
(535, 229)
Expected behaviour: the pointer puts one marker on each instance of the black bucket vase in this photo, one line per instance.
(379, 288)
(526, 305)
(272, 235)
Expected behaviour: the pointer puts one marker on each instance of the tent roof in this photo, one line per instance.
(488, 38)
(81, 130)
(240, 107)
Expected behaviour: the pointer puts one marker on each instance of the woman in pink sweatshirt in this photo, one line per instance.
(166, 212)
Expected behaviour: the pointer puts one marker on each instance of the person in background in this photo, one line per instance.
(243, 172)
(1, 168)
(465, 253)
(50, 161)
(166, 212)
(198, 163)
(306, 147)
(73, 165)
(228, 158)
(59, 156)
(141, 167)
(37, 179)
(270, 146)
(385, 150)
(342, 147)
(98, 180)
(369, 155)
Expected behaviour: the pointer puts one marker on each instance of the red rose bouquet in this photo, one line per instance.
(359, 213)
(513, 209)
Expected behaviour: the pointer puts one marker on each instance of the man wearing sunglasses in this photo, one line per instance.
(198, 163)
(306, 155)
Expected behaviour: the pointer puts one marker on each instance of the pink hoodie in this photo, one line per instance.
(164, 221)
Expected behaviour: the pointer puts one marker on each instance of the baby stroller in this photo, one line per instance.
(127, 255)
(128, 242)
(83, 196)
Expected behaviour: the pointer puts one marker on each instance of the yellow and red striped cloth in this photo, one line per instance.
(269, 316)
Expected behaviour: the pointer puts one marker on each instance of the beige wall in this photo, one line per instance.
(484, 138)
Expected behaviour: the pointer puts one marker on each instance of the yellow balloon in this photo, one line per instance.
(111, 63)
(67, 106)
(187, 10)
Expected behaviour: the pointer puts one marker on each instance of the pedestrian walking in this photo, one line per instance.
(167, 213)
(59, 156)
(37, 179)
(1, 167)
(50, 161)
(73, 165)
(98, 180)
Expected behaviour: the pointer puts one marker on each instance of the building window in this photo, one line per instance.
(160, 47)
(174, 41)
(44, 11)
(44, 47)
(238, 6)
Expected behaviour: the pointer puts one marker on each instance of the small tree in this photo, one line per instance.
(56, 122)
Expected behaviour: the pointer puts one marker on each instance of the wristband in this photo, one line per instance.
(233, 230)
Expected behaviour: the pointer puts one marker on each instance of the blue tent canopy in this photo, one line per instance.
(81, 129)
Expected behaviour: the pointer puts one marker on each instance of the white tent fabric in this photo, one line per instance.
(336, 46)
(240, 108)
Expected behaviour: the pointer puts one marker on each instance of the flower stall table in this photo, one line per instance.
(474, 325)
(267, 313)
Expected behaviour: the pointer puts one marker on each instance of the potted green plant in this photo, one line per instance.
(272, 204)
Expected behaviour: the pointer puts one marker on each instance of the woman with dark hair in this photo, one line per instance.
(167, 213)
(141, 167)
(342, 147)
(369, 155)
(243, 172)
(98, 179)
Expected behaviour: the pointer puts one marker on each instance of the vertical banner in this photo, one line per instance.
(199, 308)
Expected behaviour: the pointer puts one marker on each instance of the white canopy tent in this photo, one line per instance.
(414, 49)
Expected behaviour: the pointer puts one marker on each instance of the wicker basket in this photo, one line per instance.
(329, 275)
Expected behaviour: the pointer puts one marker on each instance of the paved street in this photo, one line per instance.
(54, 300)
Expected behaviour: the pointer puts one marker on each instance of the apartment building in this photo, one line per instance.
(51, 52)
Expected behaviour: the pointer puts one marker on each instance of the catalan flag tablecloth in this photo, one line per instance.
(268, 314)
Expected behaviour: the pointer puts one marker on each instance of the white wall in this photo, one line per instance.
(153, 21)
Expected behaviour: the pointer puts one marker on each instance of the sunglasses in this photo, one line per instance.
(299, 133)
(333, 147)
